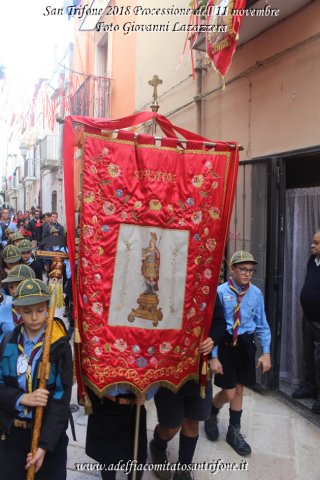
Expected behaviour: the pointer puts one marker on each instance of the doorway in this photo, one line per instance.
(302, 219)
(268, 221)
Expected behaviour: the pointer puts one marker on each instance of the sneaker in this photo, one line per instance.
(304, 391)
(316, 407)
(211, 428)
(182, 475)
(159, 458)
(237, 441)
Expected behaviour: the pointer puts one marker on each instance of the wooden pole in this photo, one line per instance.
(44, 372)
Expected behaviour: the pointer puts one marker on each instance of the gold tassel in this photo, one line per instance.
(53, 283)
(77, 338)
(85, 401)
(204, 373)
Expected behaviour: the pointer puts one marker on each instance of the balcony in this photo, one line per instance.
(92, 98)
(50, 158)
(29, 171)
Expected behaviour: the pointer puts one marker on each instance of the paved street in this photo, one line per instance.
(285, 445)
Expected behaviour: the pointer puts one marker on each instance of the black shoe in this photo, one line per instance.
(159, 458)
(237, 441)
(182, 475)
(304, 392)
(211, 428)
(316, 407)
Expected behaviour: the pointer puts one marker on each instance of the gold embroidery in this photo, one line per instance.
(154, 175)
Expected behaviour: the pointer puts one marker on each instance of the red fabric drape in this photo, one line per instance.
(154, 222)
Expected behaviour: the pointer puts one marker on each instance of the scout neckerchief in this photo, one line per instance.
(237, 315)
(16, 319)
(24, 365)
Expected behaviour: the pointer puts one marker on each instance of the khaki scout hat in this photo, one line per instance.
(242, 257)
(9, 230)
(30, 292)
(19, 273)
(11, 254)
(17, 236)
(25, 246)
(54, 229)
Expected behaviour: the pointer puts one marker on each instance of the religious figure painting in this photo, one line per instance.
(149, 280)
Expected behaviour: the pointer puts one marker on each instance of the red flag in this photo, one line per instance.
(154, 220)
(225, 23)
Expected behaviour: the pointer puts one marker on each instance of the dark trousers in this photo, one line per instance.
(13, 456)
(110, 434)
(311, 350)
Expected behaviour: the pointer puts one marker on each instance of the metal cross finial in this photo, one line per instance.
(154, 83)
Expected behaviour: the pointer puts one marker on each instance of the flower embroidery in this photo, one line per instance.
(191, 313)
(211, 244)
(141, 362)
(208, 164)
(119, 193)
(214, 212)
(165, 347)
(197, 331)
(152, 360)
(150, 351)
(105, 228)
(215, 185)
(97, 308)
(202, 306)
(170, 208)
(190, 202)
(207, 273)
(98, 351)
(105, 152)
(196, 237)
(120, 345)
(88, 197)
(85, 299)
(155, 205)
(136, 348)
(114, 170)
(197, 181)
(182, 222)
(205, 289)
(131, 360)
(97, 278)
(84, 262)
(124, 215)
(196, 217)
(95, 340)
(108, 208)
(87, 231)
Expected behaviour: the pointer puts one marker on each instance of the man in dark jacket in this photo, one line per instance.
(310, 302)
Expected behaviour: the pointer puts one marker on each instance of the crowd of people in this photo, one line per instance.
(238, 319)
(110, 431)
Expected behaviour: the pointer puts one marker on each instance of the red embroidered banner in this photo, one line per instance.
(154, 220)
(221, 44)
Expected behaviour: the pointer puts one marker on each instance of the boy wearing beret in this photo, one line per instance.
(20, 355)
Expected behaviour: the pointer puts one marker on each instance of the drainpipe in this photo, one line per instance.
(198, 100)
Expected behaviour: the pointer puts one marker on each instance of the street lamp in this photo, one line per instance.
(24, 151)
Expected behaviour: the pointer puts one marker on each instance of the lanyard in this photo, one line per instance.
(34, 352)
